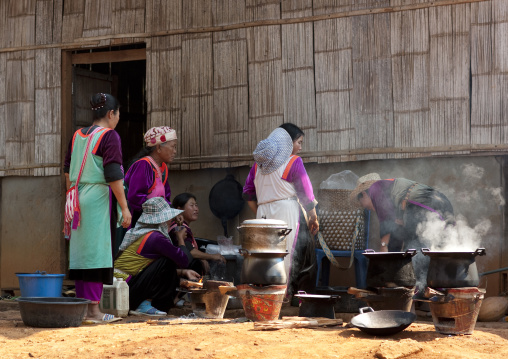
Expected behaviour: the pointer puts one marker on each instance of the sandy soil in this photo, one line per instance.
(232, 338)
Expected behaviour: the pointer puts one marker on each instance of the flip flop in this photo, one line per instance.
(106, 318)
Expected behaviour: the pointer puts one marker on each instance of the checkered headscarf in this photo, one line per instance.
(156, 212)
(274, 151)
(157, 135)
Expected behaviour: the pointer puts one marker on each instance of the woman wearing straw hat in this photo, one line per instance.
(401, 205)
(150, 263)
(278, 182)
(147, 177)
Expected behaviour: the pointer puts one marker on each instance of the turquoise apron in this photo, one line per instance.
(90, 244)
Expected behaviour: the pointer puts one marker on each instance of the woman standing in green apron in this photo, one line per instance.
(90, 247)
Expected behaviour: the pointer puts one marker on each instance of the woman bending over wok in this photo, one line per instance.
(401, 205)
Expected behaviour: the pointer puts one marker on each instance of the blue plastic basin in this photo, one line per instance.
(40, 284)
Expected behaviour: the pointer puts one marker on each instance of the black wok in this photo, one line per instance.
(382, 322)
(225, 200)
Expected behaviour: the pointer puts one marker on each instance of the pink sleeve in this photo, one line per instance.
(298, 176)
(249, 190)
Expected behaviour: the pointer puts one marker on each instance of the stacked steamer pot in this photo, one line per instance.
(263, 278)
(390, 280)
(453, 294)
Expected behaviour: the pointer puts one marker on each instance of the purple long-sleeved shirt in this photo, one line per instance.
(157, 246)
(297, 176)
(139, 179)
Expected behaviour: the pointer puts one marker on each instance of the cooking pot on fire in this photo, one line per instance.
(390, 269)
(263, 267)
(264, 235)
(452, 269)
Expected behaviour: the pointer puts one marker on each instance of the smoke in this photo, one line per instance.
(437, 235)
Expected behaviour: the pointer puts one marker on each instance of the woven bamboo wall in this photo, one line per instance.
(369, 79)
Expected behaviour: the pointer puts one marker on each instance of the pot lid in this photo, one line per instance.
(369, 253)
(263, 223)
(458, 254)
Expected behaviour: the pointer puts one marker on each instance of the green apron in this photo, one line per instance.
(90, 244)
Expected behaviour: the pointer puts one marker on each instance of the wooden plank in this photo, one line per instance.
(97, 18)
(196, 70)
(296, 9)
(372, 104)
(196, 13)
(128, 16)
(226, 12)
(72, 20)
(298, 80)
(266, 108)
(324, 7)
(231, 98)
(44, 22)
(262, 10)
(163, 15)
(47, 148)
(449, 75)
(110, 56)
(20, 15)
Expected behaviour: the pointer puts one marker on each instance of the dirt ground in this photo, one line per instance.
(234, 338)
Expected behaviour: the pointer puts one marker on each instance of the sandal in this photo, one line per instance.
(145, 308)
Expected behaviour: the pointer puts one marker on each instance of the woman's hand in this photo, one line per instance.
(127, 217)
(190, 274)
(181, 234)
(313, 225)
(218, 257)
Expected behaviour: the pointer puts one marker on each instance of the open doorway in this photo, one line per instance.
(120, 71)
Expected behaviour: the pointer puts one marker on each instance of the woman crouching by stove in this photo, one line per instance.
(187, 202)
(150, 263)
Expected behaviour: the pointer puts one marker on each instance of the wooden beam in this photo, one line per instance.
(109, 56)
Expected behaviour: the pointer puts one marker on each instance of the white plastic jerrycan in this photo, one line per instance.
(115, 298)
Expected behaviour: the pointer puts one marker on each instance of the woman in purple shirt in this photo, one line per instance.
(401, 205)
(147, 177)
(150, 263)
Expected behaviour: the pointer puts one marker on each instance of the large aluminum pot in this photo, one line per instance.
(263, 267)
(452, 269)
(264, 235)
(390, 269)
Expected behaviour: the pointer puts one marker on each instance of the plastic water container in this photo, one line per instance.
(115, 298)
(40, 284)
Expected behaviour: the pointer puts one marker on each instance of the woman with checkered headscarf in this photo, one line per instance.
(278, 184)
(147, 177)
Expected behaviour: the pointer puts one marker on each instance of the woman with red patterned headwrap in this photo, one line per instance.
(147, 177)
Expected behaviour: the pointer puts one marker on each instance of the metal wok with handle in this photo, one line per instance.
(382, 322)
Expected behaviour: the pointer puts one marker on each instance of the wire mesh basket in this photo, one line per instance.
(338, 218)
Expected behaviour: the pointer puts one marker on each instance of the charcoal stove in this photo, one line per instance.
(452, 290)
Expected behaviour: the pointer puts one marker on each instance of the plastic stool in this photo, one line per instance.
(360, 261)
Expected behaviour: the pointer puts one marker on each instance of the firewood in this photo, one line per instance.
(296, 322)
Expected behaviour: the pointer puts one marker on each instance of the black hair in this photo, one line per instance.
(181, 200)
(294, 131)
(102, 103)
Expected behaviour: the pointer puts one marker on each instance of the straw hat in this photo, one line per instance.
(274, 151)
(156, 210)
(362, 184)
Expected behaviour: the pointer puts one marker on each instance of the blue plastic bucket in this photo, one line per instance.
(40, 284)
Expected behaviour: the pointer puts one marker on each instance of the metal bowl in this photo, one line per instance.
(52, 312)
